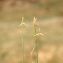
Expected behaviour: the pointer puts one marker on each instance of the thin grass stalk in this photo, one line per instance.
(36, 45)
(36, 52)
(22, 24)
(34, 22)
(22, 46)
(36, 37)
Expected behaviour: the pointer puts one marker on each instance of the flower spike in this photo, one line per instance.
(34, 21)
(38, 34)
(22, 23)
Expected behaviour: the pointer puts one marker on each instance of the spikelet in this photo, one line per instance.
(22, 23)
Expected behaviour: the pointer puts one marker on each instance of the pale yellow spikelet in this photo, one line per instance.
(34, 21)
(38, 34)
(22, 23)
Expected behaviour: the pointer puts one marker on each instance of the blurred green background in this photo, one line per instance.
(49, 15)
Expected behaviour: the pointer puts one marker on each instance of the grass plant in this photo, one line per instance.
(36, 34)
(35, 25)
(22, 24)
(37, 43)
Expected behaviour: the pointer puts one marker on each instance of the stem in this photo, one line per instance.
(36, 45)
(22, 46)
(36, 52)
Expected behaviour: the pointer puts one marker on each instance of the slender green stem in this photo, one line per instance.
(36, 45)
(36, 52)
(22, 46)
(35, 29)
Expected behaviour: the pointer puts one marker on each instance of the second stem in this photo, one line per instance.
(22, 46)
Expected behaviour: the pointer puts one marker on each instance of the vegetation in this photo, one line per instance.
(51, 44)
(18, 45)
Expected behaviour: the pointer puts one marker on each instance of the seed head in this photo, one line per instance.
(34, 21)
(38, 34)
(22, 23)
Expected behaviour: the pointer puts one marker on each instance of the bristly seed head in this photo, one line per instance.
(38, 34)
(34, 21)
(22, 23)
